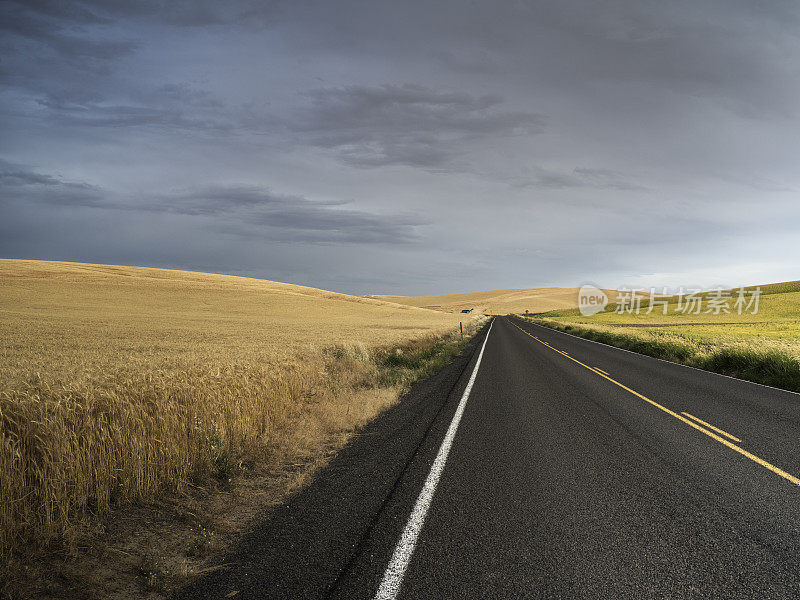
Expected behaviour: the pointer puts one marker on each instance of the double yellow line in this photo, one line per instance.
(689, 422)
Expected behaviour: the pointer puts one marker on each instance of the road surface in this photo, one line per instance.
(541, 465)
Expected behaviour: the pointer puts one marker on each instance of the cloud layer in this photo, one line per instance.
(235, 210)
(410, 125)
(411, 147)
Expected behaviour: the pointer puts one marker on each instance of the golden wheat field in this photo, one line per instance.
(533, 300)
(119, 381)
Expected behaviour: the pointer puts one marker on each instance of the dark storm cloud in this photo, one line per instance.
(471, 145)
(732, 51)
(405, 124)
(249, 210)
(246, 211)
(17, 183)
(53, 26)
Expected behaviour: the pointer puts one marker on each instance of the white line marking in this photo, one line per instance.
(393, 576)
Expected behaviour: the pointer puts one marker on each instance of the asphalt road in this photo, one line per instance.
(570, 470)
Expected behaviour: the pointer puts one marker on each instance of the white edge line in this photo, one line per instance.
(393, 576)
(769, 387)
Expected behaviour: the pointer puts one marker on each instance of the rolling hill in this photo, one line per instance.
(760, 345)
(84, 312)
(534, 300)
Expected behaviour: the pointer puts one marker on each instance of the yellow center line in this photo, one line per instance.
(721, 440)
(710, 426)
(601, 370)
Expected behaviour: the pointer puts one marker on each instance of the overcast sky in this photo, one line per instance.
(406, 147)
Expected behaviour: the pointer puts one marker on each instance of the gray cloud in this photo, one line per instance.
(246, 211)
(179, 13)
(578, 177)
(405, 124)
(470, 145)
(250, 211)
(17, 183)
(53, 26)
(173, 114)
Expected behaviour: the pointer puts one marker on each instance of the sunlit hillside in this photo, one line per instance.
(775, 323)
(60, 317)
(533, 300)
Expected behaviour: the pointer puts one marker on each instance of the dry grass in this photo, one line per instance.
(118, 382)
(534, 300)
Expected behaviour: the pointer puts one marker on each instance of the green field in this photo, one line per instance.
(777, 323)
(762, 347)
